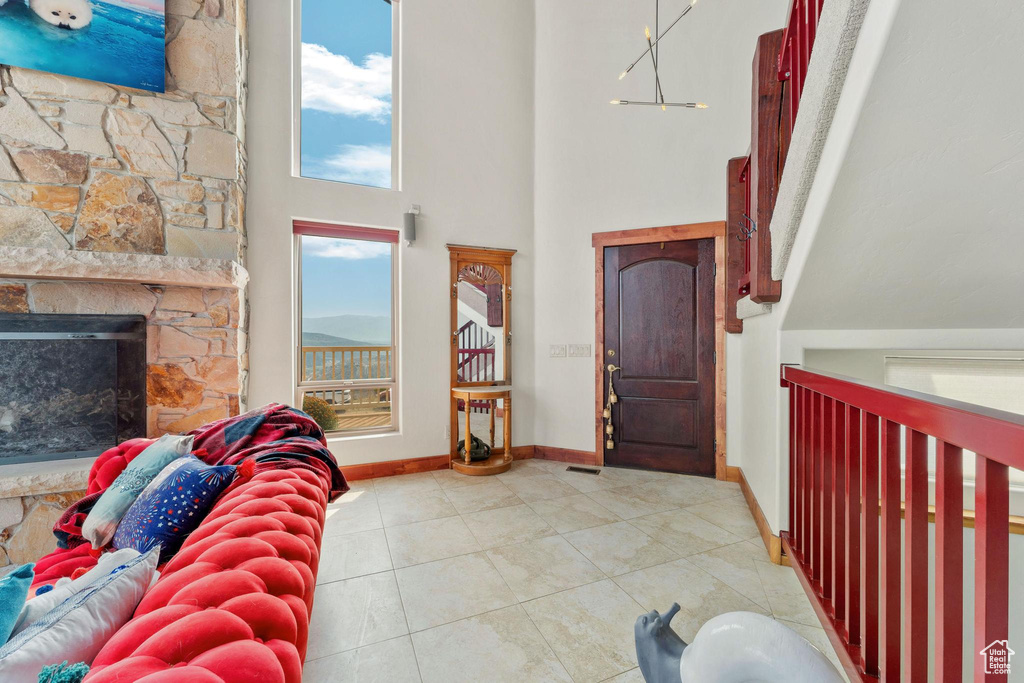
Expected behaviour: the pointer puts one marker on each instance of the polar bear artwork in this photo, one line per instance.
(68, 14)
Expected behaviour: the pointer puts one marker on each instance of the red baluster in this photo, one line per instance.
(852, 511)
(827, 436)
(805, 482)
(814, 559)
(801, 19)
(838, 511)
(889, 626)
(992, 561)
(949, 568)
(812, 26)
(869, 541)
(915, 566)
(795, 63)
(792, 459)
(805, 459)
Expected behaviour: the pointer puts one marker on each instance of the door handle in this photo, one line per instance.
(609, 429)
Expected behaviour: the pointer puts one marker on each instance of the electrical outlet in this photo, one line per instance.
(579, 350)
(447, 432)
(558, 350)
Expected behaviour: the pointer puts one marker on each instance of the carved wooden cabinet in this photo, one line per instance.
(481, 359)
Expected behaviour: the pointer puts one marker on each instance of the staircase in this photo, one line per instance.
(857, 494)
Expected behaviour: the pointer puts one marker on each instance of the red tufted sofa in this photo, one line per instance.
(233, 605)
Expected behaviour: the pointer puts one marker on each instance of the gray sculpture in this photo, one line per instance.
(658, 647)
(730, 648)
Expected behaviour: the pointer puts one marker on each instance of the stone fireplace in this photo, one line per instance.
(189, 311)
(73, 385)
(115, 201)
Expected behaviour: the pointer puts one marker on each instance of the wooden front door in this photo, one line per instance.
(659, 328)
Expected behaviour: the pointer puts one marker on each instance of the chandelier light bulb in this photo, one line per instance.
(701, 105)
(647, 32)
(616, 102)
(623, 75)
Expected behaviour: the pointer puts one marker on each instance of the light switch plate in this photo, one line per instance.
(579, 350)
(558, 351)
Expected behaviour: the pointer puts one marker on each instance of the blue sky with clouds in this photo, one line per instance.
(346, 91)
(346, 136)
(345, 277)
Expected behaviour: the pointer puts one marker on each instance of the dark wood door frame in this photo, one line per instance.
(669, 233)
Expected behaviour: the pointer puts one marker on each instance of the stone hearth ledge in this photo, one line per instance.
(96, 266)
(50, 476)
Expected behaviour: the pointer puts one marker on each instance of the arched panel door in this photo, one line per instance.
(660, 333)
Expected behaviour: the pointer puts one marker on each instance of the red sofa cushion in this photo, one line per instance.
(233, 605)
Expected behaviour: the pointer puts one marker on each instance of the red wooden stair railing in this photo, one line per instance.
(780, 66)
(845, 471)
(476, 359)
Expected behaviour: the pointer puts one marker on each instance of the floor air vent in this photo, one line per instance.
(584, 470)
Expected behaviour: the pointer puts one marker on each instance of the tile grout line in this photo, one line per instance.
(485, 551)
(519, 604)
(401, 600)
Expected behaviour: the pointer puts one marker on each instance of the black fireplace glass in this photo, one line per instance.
(71, 386)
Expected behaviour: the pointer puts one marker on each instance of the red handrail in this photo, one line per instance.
(797, 43)
(845, 470)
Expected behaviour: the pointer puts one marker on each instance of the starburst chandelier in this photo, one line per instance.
(652, 50)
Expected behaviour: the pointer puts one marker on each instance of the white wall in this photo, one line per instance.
(467, 158)
(602, 167)
(489, 168)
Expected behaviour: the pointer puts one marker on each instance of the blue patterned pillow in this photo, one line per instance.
(172, 506)
(102, 521)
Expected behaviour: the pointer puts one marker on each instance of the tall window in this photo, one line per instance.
(347, 356)
(347, 87)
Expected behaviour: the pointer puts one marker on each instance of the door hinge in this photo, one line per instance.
(714, 357)
(714, 270)
(715, 447)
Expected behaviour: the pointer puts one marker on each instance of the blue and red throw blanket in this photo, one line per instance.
(275, 436)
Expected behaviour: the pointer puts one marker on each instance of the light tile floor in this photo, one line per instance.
(537, 574)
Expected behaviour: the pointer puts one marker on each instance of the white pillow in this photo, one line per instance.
(36, 608)
(77, 628)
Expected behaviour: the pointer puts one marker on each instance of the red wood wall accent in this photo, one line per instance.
(734, 247)
(764, 165)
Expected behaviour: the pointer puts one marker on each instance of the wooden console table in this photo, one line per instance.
(501, 459)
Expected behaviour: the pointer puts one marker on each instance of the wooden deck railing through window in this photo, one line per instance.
(344, 377)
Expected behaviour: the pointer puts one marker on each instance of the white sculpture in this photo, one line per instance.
(730, 648)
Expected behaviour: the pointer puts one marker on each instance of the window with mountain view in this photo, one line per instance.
(347, 86)
(347, 359)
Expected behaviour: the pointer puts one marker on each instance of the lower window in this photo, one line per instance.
(347, 349)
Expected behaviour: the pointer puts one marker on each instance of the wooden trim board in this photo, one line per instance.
(391, 468)
(668, 233)
(840, 647)
(565, 455)
(772, 543)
